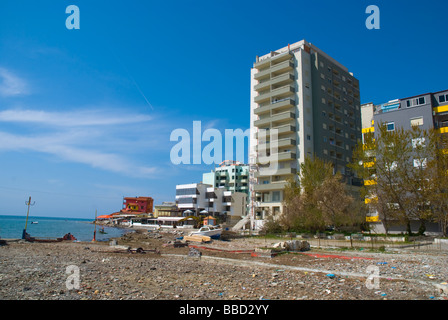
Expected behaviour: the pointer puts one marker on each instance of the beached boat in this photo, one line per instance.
(209, 231)
(67, 236)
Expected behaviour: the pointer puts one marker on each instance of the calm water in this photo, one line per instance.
(11, 227)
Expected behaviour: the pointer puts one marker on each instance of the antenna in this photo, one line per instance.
(28, 203)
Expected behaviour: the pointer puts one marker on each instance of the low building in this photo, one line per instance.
(191, 198)
(138, 205)
(199, 199)
(167, 209)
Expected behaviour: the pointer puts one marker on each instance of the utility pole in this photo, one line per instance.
(94, 231)
(28, 203)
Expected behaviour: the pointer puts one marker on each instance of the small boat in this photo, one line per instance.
(34, 222)
(102, 231)
(209, 231)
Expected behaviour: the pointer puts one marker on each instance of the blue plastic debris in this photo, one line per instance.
(330, 275)
(382, 263)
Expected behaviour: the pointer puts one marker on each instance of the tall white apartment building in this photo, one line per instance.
(306, 104)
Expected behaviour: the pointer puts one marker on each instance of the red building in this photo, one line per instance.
(138, 205)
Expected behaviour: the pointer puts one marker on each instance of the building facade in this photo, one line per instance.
(138, 205)
(229, 175)
(204, 199)
(429, 110)
(303, 104)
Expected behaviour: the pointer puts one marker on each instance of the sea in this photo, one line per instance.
(11, 227)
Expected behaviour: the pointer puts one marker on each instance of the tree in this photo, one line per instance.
(437, 171)
(396, 172)
(319, 199)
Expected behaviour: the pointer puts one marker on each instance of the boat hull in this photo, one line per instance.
(214, 234)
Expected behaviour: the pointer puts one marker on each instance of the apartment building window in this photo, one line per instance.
(443, 98)
(415, 102)
(186, 191)
(420, 163)
(390, 126)
(276, 196)
(417, 121)
(417, 142)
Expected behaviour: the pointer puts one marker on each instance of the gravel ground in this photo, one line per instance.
(30, 271)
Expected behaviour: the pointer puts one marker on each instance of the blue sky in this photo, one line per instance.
(86, 115)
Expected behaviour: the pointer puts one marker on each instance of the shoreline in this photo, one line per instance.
(226, 271)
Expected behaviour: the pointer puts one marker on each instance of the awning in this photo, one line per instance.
(171, 218)
(104, 216)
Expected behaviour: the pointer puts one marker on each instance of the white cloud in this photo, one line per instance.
(98, 138)
(71, 119)
(11, 85)
(59, 146)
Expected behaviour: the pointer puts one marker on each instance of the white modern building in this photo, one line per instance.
(204, 199)
(303, 104)
(191, 198)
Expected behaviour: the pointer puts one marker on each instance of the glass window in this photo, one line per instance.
(421, 100)
(276, 196)
(390, 126)
(442, 98)
(417, 122)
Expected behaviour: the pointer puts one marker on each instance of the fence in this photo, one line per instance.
(378, 244)
(368, 243)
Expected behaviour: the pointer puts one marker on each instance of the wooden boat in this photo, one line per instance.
(209, 231)
(44, 240)
(68, 236)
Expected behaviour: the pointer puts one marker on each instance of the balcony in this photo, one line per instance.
(283, 91)
(275, 119)
(263, 97)
(276, 94)
(279, 105)
(281, 57)
(288, 142)
(270, 186)
(442, 130)
(280, 130)
(279, 80)
(279, 172)
(281, 156)
(279, 118)
(263, 122)
(263, 74)
(262, 63)
(282, 67)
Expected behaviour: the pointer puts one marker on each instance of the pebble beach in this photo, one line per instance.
(224, 271)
